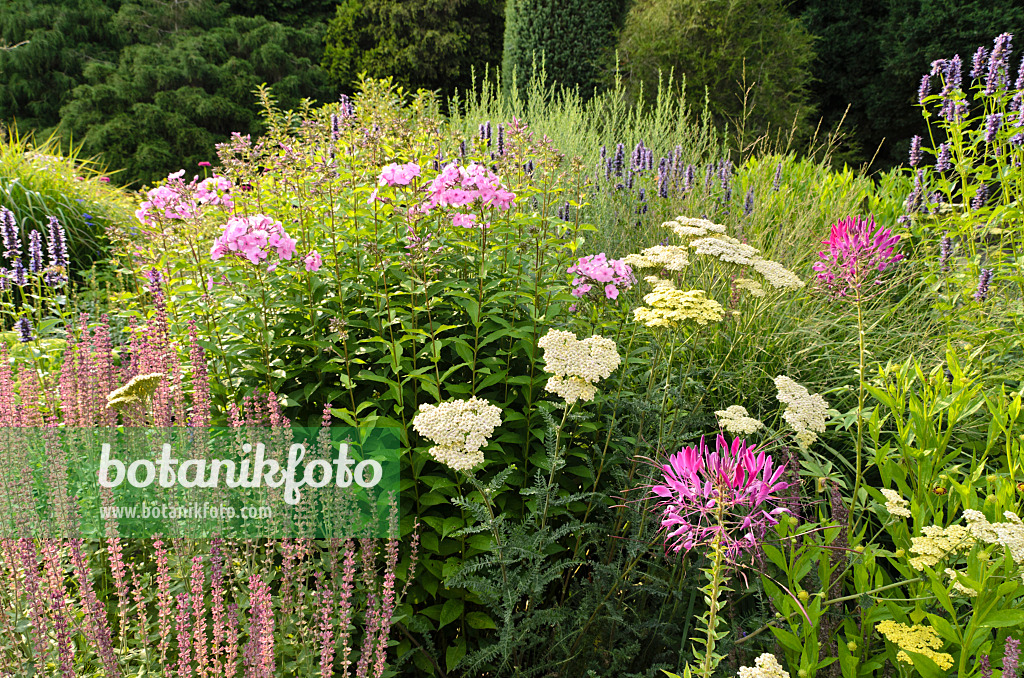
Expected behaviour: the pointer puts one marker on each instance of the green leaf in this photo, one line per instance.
(480, 620)
(454, 654)
(1001, 618)
(788, 639)
(451, 611)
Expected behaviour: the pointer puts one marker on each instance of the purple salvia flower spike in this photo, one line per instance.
(924, 89)
(1011, 658)
(984, 278)
(11, 235)
(978, 62)
(998, 76)
(992, 124)
(56, 243)
(915, 150)
(35, 251)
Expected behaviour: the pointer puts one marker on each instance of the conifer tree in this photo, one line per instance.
(574, 38)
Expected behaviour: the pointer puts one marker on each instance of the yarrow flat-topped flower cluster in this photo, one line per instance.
(670, 307)
(460, 429)
(805, 413)
(577, 364)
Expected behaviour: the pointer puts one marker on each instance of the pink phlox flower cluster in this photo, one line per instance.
(398, 175)
(458, 186)
(856, 250)
(253, 238)
(735, 477)
(313, 261)
(174, 199)
(598, 270)
(215, 191)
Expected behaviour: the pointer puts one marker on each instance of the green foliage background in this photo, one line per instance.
(573, 38)
(149, 86)
(433, 44)
(722, 48)
(872, 54)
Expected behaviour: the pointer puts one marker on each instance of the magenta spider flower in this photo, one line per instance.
(730, 494)
(856, 252)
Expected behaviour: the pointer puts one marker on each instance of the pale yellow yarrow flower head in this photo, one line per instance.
(668, 257)
(918, 639)
(724, 248)
(670, 307)
(138, 388)
(805, 413)
(765, 666)
(736, 420)
(895, 504)
(747, 285)
(459, 428)
(691, 227)
(577, 364)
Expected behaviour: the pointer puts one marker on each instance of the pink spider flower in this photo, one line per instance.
(856, 253)
(736, 479)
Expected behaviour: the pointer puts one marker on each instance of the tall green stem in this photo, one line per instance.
(554, 465)
(860, 414)
(709, 661)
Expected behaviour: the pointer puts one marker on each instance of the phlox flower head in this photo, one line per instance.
(312, 261)
(856, 253)
(458, 186)
(600, 272)
(253, 238)
(734, 481)
(175, 199)
(398, 175)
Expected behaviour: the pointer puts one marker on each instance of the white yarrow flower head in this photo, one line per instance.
(805, 413)
(765, 666)
(459, 429)
(1009, 535)
(895, 504)
(577, 364)
(736, 420)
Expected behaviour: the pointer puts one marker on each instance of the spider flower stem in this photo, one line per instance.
(860, 415)
(709, 660)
